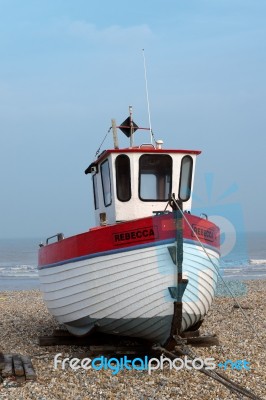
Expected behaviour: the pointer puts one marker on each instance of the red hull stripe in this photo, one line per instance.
(117, 251)
(106, 253)
(126, 236)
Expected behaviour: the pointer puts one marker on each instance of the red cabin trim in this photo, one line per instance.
(144, 149)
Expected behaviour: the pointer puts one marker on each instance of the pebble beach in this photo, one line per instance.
(24, 317)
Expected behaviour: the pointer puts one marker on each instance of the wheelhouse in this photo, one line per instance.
(136, 182)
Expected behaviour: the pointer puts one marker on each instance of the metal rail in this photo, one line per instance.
(59, 236)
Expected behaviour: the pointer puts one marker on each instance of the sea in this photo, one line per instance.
(18, 264)
(19, 259)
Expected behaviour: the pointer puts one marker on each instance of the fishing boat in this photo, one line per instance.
(148, 269)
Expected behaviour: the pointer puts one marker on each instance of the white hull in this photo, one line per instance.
(127, 293)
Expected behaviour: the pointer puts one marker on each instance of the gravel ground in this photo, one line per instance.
(24, 317)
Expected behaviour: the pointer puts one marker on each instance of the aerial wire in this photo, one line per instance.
(147, 93)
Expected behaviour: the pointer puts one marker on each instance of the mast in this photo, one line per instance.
(115, 137)
(176, 253)
(131, 127)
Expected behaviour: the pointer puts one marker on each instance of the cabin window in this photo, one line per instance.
(155, 177)
(123, 181)
(106, 183)
(95, 192)
(185, 178)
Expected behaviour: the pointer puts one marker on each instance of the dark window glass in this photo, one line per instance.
(185, 178)
(95, 192)
(155, 177)
(123, 182)
(106, 183)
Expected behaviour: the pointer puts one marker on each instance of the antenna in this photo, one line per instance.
(131, 126)
(147, 93)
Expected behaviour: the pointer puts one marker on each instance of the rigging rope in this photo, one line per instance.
(222, 378)
(98, 151)
(152, 134)
(218, 272)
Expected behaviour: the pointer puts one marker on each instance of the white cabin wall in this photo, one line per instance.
(136, 208)
(176, 172)
(100, 198)
(177, 158)
(109, 210)
(189, 202)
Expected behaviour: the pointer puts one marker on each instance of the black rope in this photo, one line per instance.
(98, 151)
(153, 136)
(222, 378)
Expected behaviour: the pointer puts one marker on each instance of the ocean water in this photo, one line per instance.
(247, 259)
(18, 264)
(19, 259)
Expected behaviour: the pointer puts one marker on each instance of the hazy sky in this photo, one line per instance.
(68, 67)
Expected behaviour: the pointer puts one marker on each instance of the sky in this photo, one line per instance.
(68, 67)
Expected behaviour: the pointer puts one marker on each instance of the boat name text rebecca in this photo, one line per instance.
(136, 235)
(207, 234)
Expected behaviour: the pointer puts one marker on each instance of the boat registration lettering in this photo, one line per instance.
(136, 235)
(204, 233)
